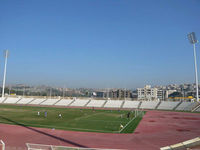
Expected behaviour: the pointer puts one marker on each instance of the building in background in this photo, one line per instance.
(100, 94)
(157, 93)
(161, 95)
(147, 93)
(120, 94)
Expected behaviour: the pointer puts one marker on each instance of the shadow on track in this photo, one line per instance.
(44, 133)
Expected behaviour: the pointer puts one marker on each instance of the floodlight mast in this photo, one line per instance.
(193, 40)
(5, 68)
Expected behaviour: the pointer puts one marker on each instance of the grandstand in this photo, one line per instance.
(50, 102)
(11, 100)
(186, 106)
(80, 103)
(96, 103)
(1, 100)
(149, 104)
(124, 104)
(167, 105)
(37, 101)
(198, 109)
(131, 104)
(64, 102)
(25, 100)
(113, 104)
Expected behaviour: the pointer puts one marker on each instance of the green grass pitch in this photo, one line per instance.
(89, 120)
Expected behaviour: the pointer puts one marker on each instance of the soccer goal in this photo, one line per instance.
(31, 146)
(2, 145)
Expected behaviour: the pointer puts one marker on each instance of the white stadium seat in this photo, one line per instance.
(64, 102)
(198, 109)
(191, 106)
(2, 99)
(163, 105)
(79, 102)
(25, 100)
(113, 104)
(149, 104)
(187, 106)
(50, 102)
(37, 101)
(131, 104)
(96, 103)
(167, 105)
(11, 100)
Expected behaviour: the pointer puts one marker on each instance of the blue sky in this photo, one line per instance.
(99, 43)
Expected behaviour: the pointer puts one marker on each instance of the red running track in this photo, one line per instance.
(157, 129)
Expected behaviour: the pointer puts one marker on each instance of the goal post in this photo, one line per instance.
(2, 145)
(140, 112)
(31, 146)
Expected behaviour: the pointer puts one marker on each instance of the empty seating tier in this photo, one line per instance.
(11, 100)
(113, 104)
(2, 99)
(96, 103)
(131, 104)
(198, 109)
(50, 102)
(161, 105)
(187, 106)
(149, 104)
(25, 100)
(37, 101)
(191, 106)
(79, 102)
(166, 105)
(64, 102)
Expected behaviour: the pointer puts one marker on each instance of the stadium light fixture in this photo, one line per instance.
(192, 39)
(5, 68)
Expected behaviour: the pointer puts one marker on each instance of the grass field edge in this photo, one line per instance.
(132, 124)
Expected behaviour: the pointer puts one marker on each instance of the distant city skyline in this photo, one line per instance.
(98, 88)
(99, 44)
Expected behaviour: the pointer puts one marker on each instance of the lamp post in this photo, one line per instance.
(4, 75)
(193, 40)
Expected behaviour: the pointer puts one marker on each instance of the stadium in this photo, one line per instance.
(77, 67)
(36, 123)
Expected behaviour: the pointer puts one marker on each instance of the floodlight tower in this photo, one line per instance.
(4, 75)
(193, 40)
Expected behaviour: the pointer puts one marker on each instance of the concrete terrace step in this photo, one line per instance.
(177, 105)
(197, 107)
(122, 104)
(104, 104)
(158, 105)
(87, 103)
(139, 105)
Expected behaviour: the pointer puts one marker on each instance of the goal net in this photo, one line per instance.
(32, 146)
(38, 146)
